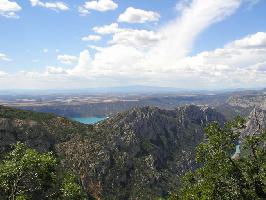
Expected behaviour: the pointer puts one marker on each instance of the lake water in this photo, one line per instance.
(88, 120)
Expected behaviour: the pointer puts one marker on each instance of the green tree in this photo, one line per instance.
(27, 174)
(70, 188)
(222, 175)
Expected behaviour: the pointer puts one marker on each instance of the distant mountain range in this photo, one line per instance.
(86, 105)
(132, 89)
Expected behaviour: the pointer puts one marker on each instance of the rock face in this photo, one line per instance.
(246, 101)
(139, 154)
(242, 104)
(256, 122)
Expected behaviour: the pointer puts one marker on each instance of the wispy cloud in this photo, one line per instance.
(128, 36)
(107, 29)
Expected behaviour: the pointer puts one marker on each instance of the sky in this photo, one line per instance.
(186, 44)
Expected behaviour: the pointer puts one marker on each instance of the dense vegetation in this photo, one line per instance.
(11, 113)
(27, 174)
(141, 153)
(223, 175)
(138, 154)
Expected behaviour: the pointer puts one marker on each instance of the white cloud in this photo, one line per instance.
(45, 50)
(4, 57)
(180, 34)
(116, 58)
(165, 58)
(59, 5)
(161, 57)
(257, 40)
(92, 38)
(9, 9)
(133, 15)
(107, 29)
(177, 37)
(67, 59)
(224, 67)
(83, 11)
(99, 5)
(129, 37)
(231, 66)
(135, 37)
(83, 65)
(231, 55)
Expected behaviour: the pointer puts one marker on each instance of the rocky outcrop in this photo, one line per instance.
(256, 123)
(138, 154)
(246, 101)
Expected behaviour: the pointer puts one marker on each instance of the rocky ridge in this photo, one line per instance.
(256, 123)
(246, 101)
(138, 154)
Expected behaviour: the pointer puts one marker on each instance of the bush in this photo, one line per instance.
(27, 174)
(224, 175)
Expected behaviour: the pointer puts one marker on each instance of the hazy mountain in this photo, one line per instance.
(138, 89)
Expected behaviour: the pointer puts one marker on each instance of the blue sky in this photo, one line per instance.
(38, 28)
(164, 43)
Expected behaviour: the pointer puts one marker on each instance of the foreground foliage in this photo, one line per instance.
(28, 174)
(225, 175)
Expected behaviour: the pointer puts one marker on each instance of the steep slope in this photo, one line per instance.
(139, 154)
(246, 101)
(41, 131)
(242, 103)
(230, 112)
(256, 122)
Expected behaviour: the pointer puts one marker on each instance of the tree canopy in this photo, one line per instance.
(28, 174)
(224, 174)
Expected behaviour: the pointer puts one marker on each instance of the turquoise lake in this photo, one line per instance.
(88, 120)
